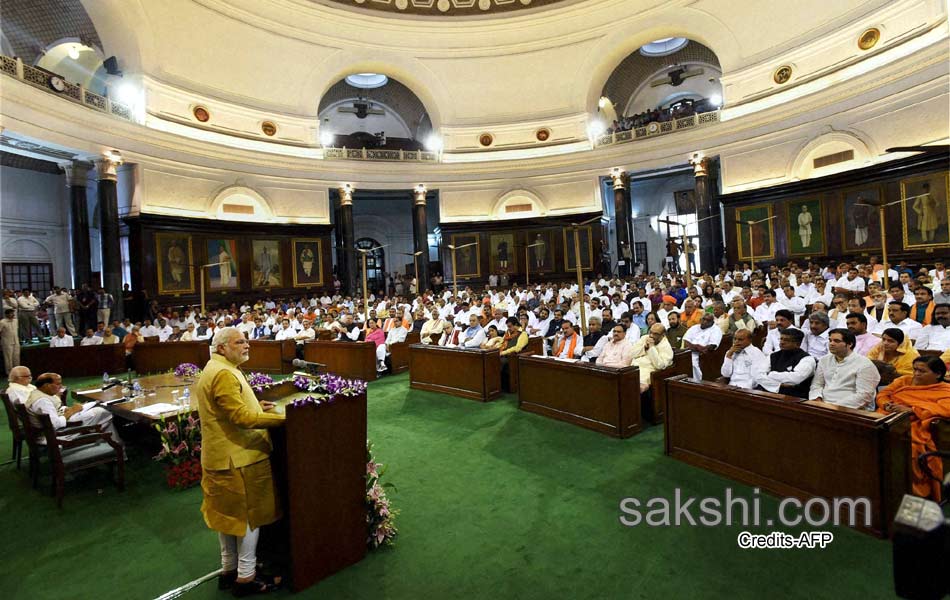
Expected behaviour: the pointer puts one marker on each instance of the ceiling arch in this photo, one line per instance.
(636, 70)
(399, 98)
(30, 26)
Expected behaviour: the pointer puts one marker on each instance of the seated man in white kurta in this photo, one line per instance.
(701, 339)
(396, 334)
(44, 400)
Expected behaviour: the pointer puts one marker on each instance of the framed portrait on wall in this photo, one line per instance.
(501, 253)
(308, 262)
(468, 259)
(540, 250)
(925, 211)
(763, 234)
(223, 276)
(265, 264)
(587, 252)
(175, 259)
(860, 225)
(685, 201)
(806, 227)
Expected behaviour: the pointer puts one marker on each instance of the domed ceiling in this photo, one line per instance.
(438, 8)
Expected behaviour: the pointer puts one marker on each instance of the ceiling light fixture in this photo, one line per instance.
(73, 52)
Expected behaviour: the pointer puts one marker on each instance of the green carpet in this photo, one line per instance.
(494, 503)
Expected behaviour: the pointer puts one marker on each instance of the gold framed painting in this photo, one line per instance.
(926, 211)
(224, 275)
(860, 224)
(468, 259)
(501, 255)
(806, 227)
(763, 233)
(175, 260)
(308, 262)
(265, 264)
(584, 237)
(541, 251)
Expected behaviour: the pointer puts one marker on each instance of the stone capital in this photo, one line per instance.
(346, 195)
(76, 173)
(419, 195)
(106, 169)
(619, 179)
(699, 163)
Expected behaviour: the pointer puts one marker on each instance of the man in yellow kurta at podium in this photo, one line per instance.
(236, 480)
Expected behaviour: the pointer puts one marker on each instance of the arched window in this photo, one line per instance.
(375, 265)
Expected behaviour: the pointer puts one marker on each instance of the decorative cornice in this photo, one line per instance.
(76, 173)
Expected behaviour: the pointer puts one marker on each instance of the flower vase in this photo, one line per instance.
(184, 475)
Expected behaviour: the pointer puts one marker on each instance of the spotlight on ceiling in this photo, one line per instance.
(326, 139)
(127, 93)
(433, 143)
(715, 100)
(596, 128)
(73, 52)
(603, 102)
(367, 81)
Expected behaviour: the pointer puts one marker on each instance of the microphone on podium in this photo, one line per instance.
(311, 367)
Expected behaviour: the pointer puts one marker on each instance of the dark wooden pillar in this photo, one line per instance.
(79, 222)
(622, 213)
(350, 268)
(109, 231)
(707, 205)
(420, 236)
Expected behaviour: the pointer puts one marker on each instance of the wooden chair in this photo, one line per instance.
(85, 447)
(15, 428)
(940, 430)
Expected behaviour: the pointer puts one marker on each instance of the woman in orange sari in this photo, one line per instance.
(927, 395)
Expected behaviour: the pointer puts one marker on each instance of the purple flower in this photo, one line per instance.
(258, 381)
(187, 370)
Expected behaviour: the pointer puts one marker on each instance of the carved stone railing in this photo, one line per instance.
(14, 67)
(659, 128)
(380, 154)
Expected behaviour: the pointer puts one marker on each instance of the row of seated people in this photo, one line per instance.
(659, 115)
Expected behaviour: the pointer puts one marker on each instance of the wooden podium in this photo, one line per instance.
(319, 464)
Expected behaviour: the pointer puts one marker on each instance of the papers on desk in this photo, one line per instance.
(155, 410)
(95, 391)
(570, 360)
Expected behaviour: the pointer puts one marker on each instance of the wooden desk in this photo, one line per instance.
(399, 353)
(711, 362)
(789, 446)
(158, 357)
(353, 360)
(76, 361)
(655, 410)
(469, 373)
(158, 389)
(269, 356)
(605, 399)
(535, 347)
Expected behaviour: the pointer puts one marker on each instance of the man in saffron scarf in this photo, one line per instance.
(567, 344)
(926, 395)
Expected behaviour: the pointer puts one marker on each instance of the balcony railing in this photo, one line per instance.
(381, 154)
(14, 67)
(659, 128)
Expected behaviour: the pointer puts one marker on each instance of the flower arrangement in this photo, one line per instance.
(328, 388)
(180, 436)
(259, 381)
(187, 370)
(380, 517)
